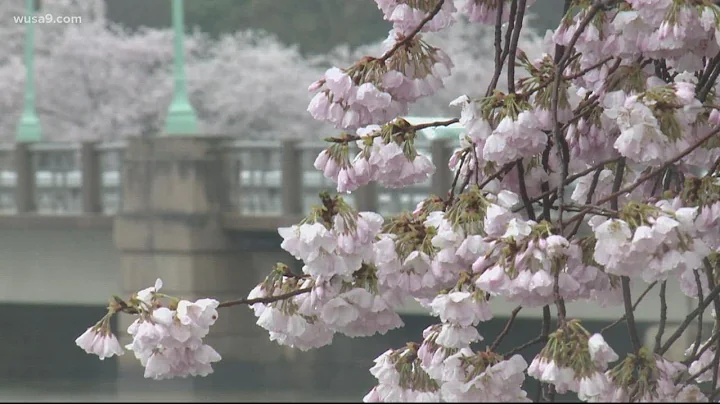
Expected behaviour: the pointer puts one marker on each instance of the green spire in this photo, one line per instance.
(181, 119)
(29, 127)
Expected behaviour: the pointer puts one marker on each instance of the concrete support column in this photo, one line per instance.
(175, 191)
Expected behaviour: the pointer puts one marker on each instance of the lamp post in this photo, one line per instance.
(29, 128)
(181, 118)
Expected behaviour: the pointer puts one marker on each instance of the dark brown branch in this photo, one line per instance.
(663, 317)
(707, 345)
(505, 330)
(634, 307)
(504, 170)
(451, 191)
(348, 138)
(435, 124)
(498, 38)
(536, 340)
(568, 77)
(506, 49)
(629, 315)
(708, 85)
(414, 32)
(265, 300)
(523, 190)
(698, 337)
(588, 198)
(573, 178)
(513, 45)
(715, 292)
(627, 298)
(653, 173)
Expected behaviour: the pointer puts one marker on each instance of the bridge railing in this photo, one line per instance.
(266, 178)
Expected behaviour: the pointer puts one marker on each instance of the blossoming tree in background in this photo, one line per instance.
(616, 127)
(97, 80)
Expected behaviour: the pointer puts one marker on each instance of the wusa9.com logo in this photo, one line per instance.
(47, 19)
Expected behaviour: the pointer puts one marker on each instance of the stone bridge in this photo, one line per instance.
(80, 222)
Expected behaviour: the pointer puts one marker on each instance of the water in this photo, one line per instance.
(112, 391)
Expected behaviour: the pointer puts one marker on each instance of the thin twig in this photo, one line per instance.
(523, 189)
(653, 173)
(412, 33)
(265, 300)
(451, 191)
(536, 340)
(634, 307)
(505, 330)
(573, 178)
(700, 372)
(707, 345)
(435, 124)
(715, 292)
(588, 199)
(504, 170)
(698, 337)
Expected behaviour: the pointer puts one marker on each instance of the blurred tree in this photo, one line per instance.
(96, 80)
(314, 25)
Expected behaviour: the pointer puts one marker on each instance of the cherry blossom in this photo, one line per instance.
(588, 167)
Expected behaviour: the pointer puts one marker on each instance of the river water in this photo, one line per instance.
(111, 391)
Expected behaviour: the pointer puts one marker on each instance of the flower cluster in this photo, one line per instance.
(651, 123)
(652, 242)
(386, 155)
(645, 377)
(504, 126)
(401, 378)
(168, 341)
(406, 15)
(99, 340)
(483, 377)
(574, 360)
(376, 90)
(408, 375)
(344, 295)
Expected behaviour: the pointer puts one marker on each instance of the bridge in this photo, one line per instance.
(272, 178)
(80, 222)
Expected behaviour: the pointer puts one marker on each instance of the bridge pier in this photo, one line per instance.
(174, 193)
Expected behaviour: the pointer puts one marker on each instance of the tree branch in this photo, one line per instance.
(513, 45)
(265, 300)
(506, 50)
(412, 33)
(689, 318)
(634, 306)
(652, 174)
(523, 189)
(505, 330)
(663, 317)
